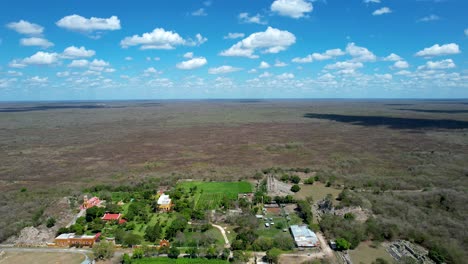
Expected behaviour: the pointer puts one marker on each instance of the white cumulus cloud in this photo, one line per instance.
(159, 38)
(78, 64)
(25, 27)
(82, 24)
(73, 52)
(223, 69)
(360, 53)
(188, 55)
(264, 65)
(41, 58)
(437, 50)
(234, 35)
(37, 79)
(246, 18)
(292, 8)
(192, 63)
(401, 64)
(285, 76)
(438, 65)
(392, 57)
(279, 63)
(35, 41)
(329, 54)
(381, 11)
(271, 40)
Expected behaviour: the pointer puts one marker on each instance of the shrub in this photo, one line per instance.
(295, 188)
(342, 244)
(309, 180)
(103, 250)
(273, 255)
(174, 252)
(295, 179)
(50, 222)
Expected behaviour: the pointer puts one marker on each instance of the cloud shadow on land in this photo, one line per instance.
(454, 111)
(392, 122)
(48, 107)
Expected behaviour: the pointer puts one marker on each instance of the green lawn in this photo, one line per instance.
(178, 261)
(273, 229)
(229, 188)
(210, 194)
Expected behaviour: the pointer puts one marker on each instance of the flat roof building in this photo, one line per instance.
(71, 239)
(303, 236)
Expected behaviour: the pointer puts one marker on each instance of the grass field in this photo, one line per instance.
(318, 191)
(41, 258)
(210, 194)
(178, 261)
(366, 254)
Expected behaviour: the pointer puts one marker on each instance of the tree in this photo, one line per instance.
(77, 229)
(174, 252)
(103, 250)
(94, 212)
(240, 256)
(283, 241)
(273, 255)
(152, 233)
(305, 212)
(295, 188)
(131, 239)
(50, 222)
(263, 244)
(342, 244)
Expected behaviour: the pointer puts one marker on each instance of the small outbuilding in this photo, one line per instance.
(164, 203)
(303, 236)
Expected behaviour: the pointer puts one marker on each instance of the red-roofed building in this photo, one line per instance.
(88, 203)
(113, 217)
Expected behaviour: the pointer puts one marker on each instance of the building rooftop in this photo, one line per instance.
(303, 236)
(108, 217)
(72, 235)
(164, 199)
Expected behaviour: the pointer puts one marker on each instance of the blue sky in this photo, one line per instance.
(93, 50)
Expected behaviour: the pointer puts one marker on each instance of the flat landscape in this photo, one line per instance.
(406, 160)
(41, 258)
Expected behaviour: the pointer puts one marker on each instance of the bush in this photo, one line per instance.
(173, 253)
(273, 255)
(295, 188)
(103, 250)
(309, 180)
(342, 244)
(295, 179)
(50, 222)
(137, 253)
(126, 259)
